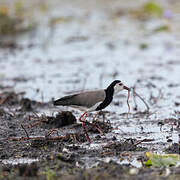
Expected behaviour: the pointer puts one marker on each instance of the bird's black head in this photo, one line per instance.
(116, 86)
(114, 83)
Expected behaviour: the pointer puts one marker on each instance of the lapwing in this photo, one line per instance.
(89, 101)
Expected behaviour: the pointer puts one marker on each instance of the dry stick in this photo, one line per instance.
(25, 131)
(37, 138)
(52, 131)
(96, 126)
(134, 99)
(134, 93)
(143, 140)
(34, 124)
(128, 103)
(107, 153)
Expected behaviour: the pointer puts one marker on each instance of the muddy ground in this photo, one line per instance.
(54, 48)
(29, 149)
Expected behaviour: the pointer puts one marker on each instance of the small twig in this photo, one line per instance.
(51, 131)
(98, 128)
(34, 124)
(143, 140)
(107, 153)
(95, 126)
(154, 99)
(135, 94)
(134, 98)
(37, 138)
(25, 131)
(128, 103)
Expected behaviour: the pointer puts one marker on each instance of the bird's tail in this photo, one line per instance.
(64, 101)
(58, 102)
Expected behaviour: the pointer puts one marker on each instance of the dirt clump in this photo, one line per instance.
(28, 170)
(63, 118)
(118, 147)
(100, 127)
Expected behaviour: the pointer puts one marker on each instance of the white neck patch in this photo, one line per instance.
(117, 88)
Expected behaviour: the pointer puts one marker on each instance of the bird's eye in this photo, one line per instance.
(120, 84)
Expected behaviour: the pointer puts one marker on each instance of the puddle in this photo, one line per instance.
(89, 52)
(134, 163)
(18, 161)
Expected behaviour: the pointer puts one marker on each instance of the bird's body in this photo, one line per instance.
(89, 101)
(85, 101)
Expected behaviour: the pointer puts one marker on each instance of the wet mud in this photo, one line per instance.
(59, 146)
(82, 47)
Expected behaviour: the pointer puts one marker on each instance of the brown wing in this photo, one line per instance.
(86, 99)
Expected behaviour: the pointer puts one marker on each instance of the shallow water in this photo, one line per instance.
(18, 161)
(88, 51)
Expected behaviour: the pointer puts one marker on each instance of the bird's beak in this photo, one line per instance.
(125, 87)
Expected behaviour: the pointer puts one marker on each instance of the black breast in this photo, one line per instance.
(107, 100)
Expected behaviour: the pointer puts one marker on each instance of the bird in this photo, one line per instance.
(89, 101)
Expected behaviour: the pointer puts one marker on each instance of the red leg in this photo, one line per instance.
(82, 116)
(83, 125)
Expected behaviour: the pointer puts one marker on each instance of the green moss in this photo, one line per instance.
(162, 28)
(153, 9)
(13, 24)
(143, 46)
